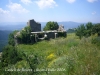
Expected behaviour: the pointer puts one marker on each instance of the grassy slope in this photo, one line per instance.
(74, 56)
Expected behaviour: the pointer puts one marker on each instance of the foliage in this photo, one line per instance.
(84, 30)
(89, 27)
(33, 62)
(25, 35)
(96, 41)
(51, 26)
(67, 56)
(8, 53)
(11, 40)
(88, 30)
(62, 34)
(80, 31)
(96, 29)
(70, 31)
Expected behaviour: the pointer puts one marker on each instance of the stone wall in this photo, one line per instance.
(49, 34)
(35, 26)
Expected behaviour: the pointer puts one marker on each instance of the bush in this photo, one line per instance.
(62, 34)
(11, 40)
(25, 36)
(96, 41)
(9, 55)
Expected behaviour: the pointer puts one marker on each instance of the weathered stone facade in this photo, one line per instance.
(61, 28)
(35, 26)
(41, 35)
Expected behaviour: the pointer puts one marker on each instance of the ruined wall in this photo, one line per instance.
(35, 26)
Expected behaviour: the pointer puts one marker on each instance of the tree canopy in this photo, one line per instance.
(96, 29)
(51, 25)
(88, 30)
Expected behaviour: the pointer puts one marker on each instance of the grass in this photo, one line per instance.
(64, 56)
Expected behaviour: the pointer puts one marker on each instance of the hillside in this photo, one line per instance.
(4, 34)
(67, 56)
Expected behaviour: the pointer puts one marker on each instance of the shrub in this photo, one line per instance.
(62, 34)
(9, 55)
(96, 41)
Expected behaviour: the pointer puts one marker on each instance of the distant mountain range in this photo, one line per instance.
(20, 25)
(4, 34)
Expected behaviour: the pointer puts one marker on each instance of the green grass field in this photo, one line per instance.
(61, 56)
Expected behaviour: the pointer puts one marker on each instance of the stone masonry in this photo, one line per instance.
(41, 35)
(35, 26)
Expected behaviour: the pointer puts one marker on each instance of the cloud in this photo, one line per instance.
(15, 7)
(4, 11)
(91, 1)
(5, 15)
(46, 4)
(93, 13)
(26, 1)
(71, 1)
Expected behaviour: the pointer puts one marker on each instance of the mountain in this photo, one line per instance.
(69, 24)
(20, 25)
(12, 25)
(4, 34)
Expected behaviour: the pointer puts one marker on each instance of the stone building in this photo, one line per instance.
(61, 28)
(35, 26)
(41, 35)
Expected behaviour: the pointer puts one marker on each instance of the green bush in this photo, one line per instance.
(62, 34)
(9, 55)
(11, 40)
(96, 41)
(25, 36)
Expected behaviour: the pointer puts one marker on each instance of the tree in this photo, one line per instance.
(89, 27)
(85, 30)
(96, 29)
(81, 31)
(51, 26)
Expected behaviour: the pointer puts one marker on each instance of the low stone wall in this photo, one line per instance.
(48, 35)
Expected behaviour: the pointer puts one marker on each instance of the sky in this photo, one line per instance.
(50, 10)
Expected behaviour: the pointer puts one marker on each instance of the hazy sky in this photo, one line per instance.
(50, 10)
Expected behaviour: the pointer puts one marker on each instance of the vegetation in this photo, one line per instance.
(88, 30)
(51, 26)
(11, 40)
(69, 56)
(24, 36)
(71, 31)
(9, 52)
(60, 56)
(96, 29)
